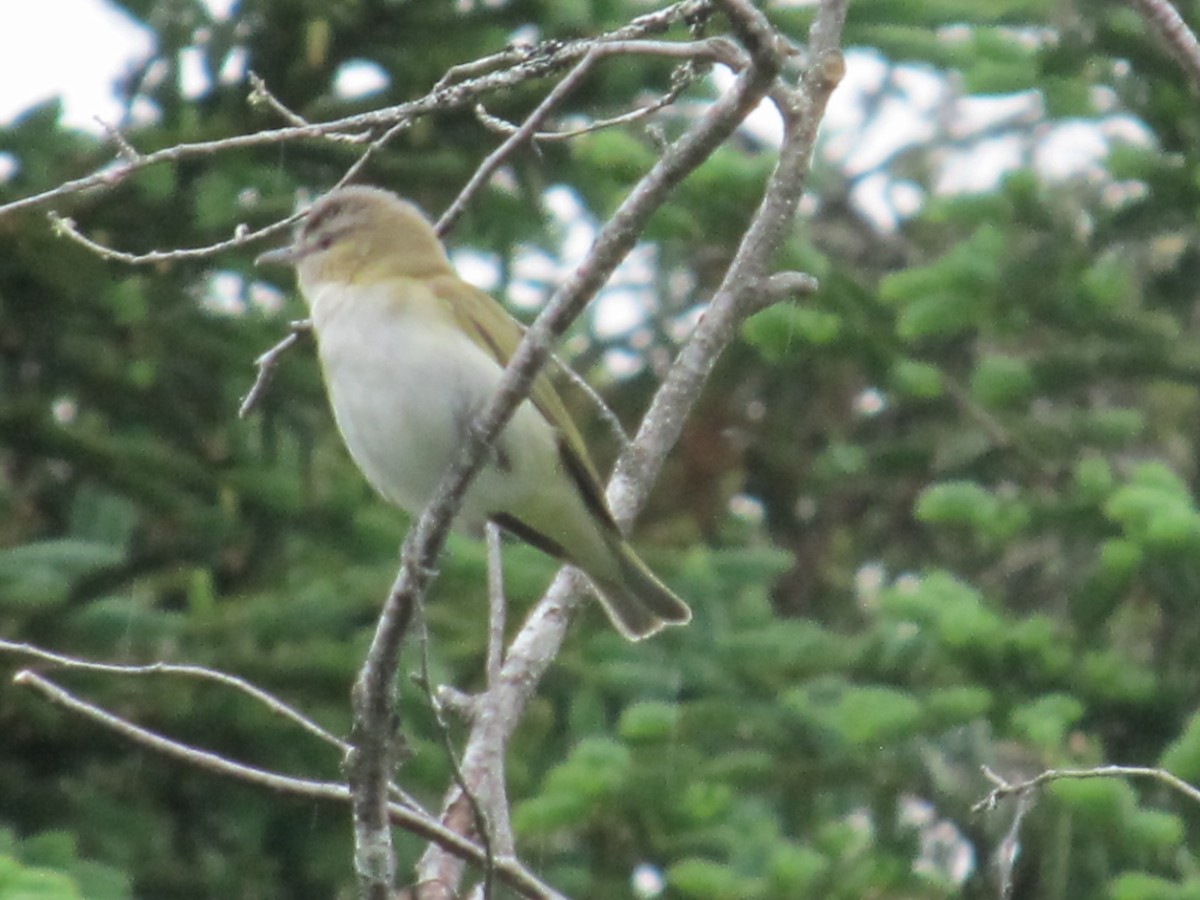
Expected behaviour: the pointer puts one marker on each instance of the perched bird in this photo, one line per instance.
(410, 353)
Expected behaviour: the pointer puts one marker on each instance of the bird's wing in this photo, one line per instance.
(490, 326)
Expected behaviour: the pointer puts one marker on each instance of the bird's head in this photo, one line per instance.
(357, 234)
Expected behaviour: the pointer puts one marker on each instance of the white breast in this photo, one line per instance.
(403, 391)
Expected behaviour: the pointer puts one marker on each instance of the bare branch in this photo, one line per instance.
(202, 673)
(127, 150)
(269, 700)
(683, 76)
(480, 815)
(508, 870)
(1175, 34)
(540, 61)
(260, 95)
(1007, 851)
(374, 737)
(374, 701)
(1024, 791)
(607, 416)
(537, 643)
(497, 604)
(376, 145)
(522, 134)
(1003, 788)
(781, 286)
(66, 227)
(266, 365)
(534, 648)
(495, 123)
(735, 298)
(513, 55)
(489, 791)
(200, 759)
(714, 49)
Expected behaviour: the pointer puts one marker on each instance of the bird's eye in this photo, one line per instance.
(324, 242)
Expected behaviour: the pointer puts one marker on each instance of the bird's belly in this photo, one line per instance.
(403, 406)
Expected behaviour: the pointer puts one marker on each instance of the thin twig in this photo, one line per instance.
(202, 673)
(269, 700)
(682, 78)
(260, 94)
(1004, 788)
(510, 56)
(616, 429)
(376, 145)
(713, 49)
(494, 159)
(1009, 848)
(200, 759)
(65, 227)
(503, 126)
(128, 152)
(266, 362)
(483, 828)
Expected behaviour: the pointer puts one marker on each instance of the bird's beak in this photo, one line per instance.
(281, 255)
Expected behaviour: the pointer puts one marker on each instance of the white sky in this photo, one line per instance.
(73, 48)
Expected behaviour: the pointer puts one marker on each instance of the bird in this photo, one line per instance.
(410, 353)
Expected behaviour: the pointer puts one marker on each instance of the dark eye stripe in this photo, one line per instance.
(322, 216)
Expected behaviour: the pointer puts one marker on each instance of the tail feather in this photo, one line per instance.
(638, 604)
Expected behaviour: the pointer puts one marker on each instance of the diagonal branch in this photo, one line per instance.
(507, 869)
(740, 294)
(712, 50)
(535, 62)
(1174, 33)
(1005, 788)
(202, 673)
(375, 718)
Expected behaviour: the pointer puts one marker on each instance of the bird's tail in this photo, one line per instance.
(638, 604)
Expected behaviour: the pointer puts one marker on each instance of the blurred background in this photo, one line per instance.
(939, 515)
